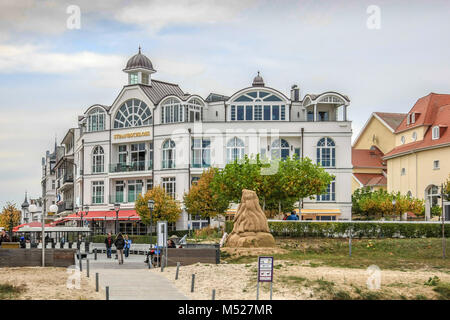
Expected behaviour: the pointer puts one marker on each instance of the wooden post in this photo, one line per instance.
(178, 269)
(192, 283)
(87, 268)
(213, 294)
(96, 282)
(107, 292)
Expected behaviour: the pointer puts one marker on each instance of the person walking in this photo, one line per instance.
(120, 244)
(3, 237)
(292, 216)
(108, 243)
(127, 246)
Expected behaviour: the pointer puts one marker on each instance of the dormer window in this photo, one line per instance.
(435, 133)
(413, 117)
(144, 78)
(402, 139)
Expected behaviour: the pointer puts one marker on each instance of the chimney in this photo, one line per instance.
(295, 93)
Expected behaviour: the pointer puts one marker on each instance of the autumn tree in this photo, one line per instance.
(9, 217)
(202, 201)
(166, 208)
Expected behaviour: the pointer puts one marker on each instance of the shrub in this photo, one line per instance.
(443, 289)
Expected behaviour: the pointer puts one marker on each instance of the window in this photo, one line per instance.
(201, 153)
(402, 139)
(235, 149)
(414, 136)
(138, 156)
(436, 164)
(297, 153)
(330, 193)
(323, 115)
(53, 184)
(435, 133)
(259, 105)
(326, 152)
(413, 117)
(150, 155)
(194, 180)
(280, 149)
(149, 184)
(98, 191)
(403, 172)
(120, 188)
(133, 78)
(98, 160)
(123, 154)
(145, 78)
(169, 186)
(168, 154)
(195, 110)
(134, 188)
(409, 194)
(133, 113)
(172, 111)
(433, 195)
(96, 120)
(310, 116)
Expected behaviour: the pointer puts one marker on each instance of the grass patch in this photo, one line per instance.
(9, 291)
(443, 290)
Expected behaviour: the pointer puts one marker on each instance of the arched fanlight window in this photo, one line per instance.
(133, 113)
(168, 149)
(258, 105)
(96, 120)
(235, 149)
(280, 149)
(98, 160)
(194, 110)
(326, 152)
(172, 111)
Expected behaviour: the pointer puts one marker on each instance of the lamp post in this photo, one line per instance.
(151, 206)
(116, 208)
(394, 202)
(33, 209)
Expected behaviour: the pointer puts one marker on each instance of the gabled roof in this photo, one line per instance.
(362, 158)
(434, 114)
(159, 89)
(425, 109)
(393, 120)
(371, 179)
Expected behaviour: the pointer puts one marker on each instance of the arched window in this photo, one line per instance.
(98, 160)
(280, 149)
(433, 195)
(258, 106)
(235, 149)
(195, 110)
(435, 133)
(96, 120)
(168, 150)
(326, 152)
(172, 111)
(133, 113)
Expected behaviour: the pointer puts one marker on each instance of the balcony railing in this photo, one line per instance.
(131, 167)
(65, 206)
(121, 198)
(68, 178)
(168, 164)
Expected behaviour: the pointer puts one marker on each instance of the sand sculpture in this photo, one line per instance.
(250, 224)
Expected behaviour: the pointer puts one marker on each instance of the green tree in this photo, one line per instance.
(166, 208)
(202, 201)
(9, 217)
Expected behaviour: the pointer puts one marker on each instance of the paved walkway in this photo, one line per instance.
(132, 280)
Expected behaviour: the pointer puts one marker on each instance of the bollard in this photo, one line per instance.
(213, 294)
(192, 283)
(162, 264)
(178, 268)
(107, 292)
(96, 282)
(87, 268)
(79, 259)
(150, 262)
(95, 254)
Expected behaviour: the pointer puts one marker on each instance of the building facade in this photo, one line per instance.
(156, 134)
(419, 163)
(376, 138)
(48, 179)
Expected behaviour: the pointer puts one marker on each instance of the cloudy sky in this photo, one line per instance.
(51, 72)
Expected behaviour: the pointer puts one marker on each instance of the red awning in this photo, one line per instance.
(31, 225)
(105, 215)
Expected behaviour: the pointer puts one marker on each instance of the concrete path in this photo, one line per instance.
(132, 280)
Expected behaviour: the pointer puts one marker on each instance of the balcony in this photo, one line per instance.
(68, 178)
(65, 206)
(131, 167)
(122, 198)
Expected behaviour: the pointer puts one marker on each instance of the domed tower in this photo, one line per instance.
(139, 69)
(25, 211)
(258, 81)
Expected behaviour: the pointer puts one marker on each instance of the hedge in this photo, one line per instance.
(359, 230)
(100, 238)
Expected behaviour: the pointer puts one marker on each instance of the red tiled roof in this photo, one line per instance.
(393, 120)
(371, 179)
(362, 158)
(434, 112)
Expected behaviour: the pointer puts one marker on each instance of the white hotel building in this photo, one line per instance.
(153, 133)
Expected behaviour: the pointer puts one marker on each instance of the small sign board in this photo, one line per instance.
(265, 269)
(161, 233)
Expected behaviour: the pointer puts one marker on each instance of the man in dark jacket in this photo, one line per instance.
(108, 243)
(3, 237)
(119, 243)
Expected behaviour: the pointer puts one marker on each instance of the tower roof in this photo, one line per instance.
(139, 61)
(258, 81)
(25, 204)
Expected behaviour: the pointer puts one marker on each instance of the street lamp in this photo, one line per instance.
(33, 209)
(151, 206)
(116, 208)
(53, 208)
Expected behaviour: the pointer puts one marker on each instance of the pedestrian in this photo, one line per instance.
(108, 243)
(62, 241)
(127, 246)
(292, 216)
(120, 244)
(22, 242)
(3, 237)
